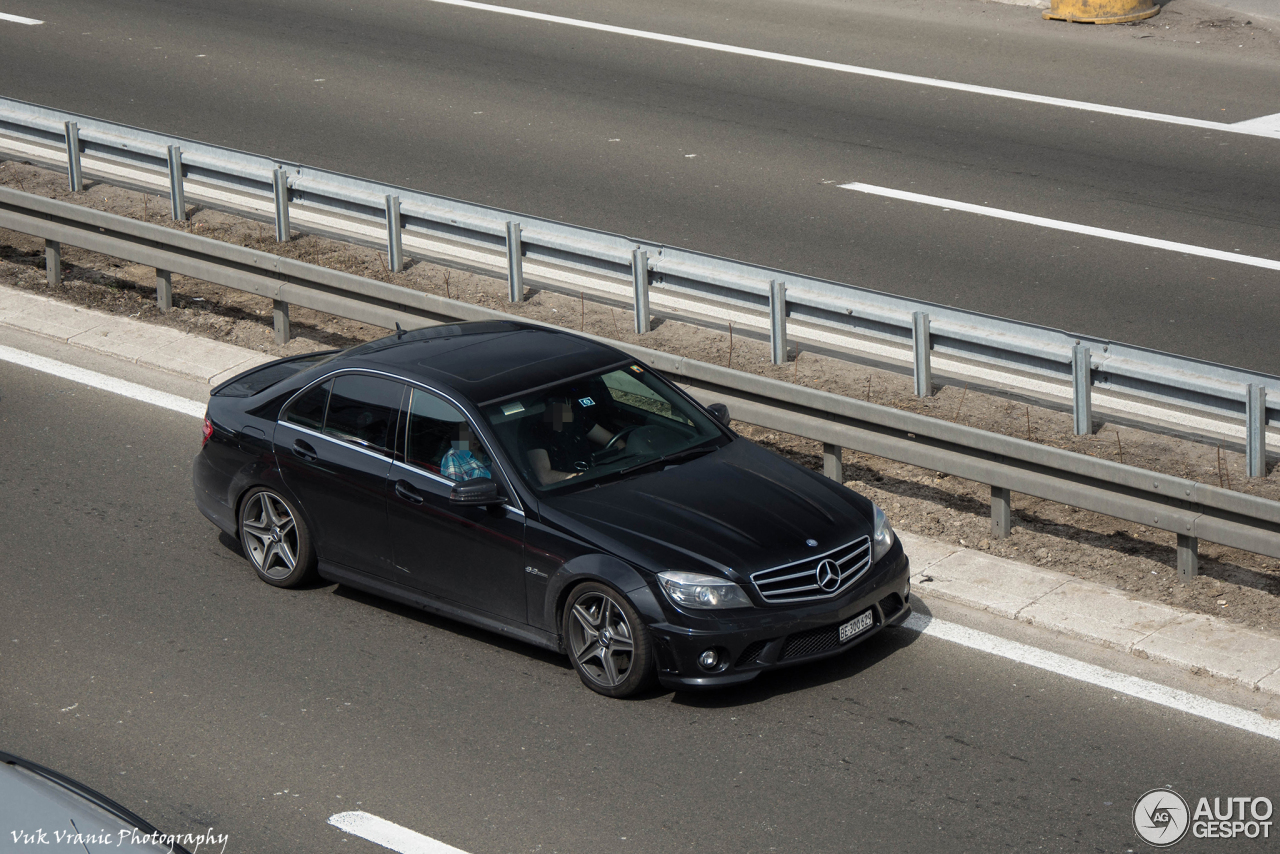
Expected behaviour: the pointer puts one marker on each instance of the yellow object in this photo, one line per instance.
(1100, 11)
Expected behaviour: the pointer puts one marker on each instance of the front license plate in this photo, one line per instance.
(858, 624)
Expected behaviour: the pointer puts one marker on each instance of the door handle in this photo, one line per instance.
(407, 492)
(302, 449)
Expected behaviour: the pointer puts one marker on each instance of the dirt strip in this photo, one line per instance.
(1233, 584)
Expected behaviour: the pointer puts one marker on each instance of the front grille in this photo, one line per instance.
(811, 642)
(798, 581)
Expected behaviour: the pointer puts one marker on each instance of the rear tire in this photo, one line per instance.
(275, 539)
(608, 643)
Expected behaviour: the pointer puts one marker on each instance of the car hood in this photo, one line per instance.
(732, 512)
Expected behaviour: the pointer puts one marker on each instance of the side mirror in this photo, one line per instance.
(477, 492)
(720, 411)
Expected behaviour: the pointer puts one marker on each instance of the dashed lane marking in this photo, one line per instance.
(1060, 225)
(991, 91)
(388, 834)
(18, 19)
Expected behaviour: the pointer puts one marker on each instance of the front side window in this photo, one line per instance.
(602, 426)
(440, 440)
(363, 410)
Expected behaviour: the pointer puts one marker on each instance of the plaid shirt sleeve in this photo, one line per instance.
(462, 465)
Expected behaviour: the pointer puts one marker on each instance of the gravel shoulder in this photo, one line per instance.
(1236, 585)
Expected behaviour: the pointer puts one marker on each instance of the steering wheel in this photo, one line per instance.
(608, 446)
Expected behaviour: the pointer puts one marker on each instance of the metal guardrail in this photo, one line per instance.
(840, 319)
(1184, 507)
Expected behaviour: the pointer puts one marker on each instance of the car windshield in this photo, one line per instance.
(599, 427)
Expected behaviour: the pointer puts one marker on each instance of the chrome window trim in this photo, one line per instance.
(384, 456)
(412, 384)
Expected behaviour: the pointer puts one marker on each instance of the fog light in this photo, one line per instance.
(709, 659)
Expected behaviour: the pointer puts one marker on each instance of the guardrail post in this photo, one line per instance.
(515, 266)
(920, 350)
(1188, 559)
(164, 289)
(280, 319)
(53, 262)
(1255, 430)
(280, 185)
(1082, 389)
(1001, 505)
(177, 198)
(778, 320)
(640, 278)
(74, 176)
(395, 254)
(833, 462)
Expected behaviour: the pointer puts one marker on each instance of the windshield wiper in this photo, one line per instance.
(696, 450)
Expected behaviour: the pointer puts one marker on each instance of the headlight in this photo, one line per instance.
(692, 590)
(882, 538)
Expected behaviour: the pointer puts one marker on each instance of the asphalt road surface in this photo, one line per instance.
(742, 156)
(140, 654)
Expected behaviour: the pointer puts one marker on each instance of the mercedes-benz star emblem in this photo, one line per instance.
(828, 575)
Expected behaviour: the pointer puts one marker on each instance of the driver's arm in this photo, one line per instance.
(601, 436)
(541, 463)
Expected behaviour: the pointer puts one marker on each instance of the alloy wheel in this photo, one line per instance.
(601, 640)
(270, 535)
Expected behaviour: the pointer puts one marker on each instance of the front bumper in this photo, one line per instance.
(771, 638)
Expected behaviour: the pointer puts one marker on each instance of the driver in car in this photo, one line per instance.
(559, 446)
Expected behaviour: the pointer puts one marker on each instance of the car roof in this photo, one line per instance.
(485, 360)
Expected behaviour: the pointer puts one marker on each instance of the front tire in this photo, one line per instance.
(275, 539)
(607, 642)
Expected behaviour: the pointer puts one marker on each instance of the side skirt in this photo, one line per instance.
(391, 590)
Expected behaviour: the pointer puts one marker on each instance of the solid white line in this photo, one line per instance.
(857, 69)
(389, 835)
(103, 382)
(18, 19)
(1131, 686)
(1013, 216)
(1263, 125)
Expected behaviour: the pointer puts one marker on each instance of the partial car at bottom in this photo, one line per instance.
(553, 489)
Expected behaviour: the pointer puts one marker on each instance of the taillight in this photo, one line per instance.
(208, 431)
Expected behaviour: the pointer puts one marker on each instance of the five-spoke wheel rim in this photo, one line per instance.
(270, 535)
(601, 640)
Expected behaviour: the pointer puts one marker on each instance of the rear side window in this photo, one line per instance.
(308, 410)
(364, 408)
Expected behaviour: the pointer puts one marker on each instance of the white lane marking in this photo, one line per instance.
(857, 69)
(389, 835)
(1131, 686)
(18, 19)
(103, 382)
(1061, 225)
(1263, 125)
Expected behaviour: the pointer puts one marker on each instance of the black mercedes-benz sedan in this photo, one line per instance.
(553, 489)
